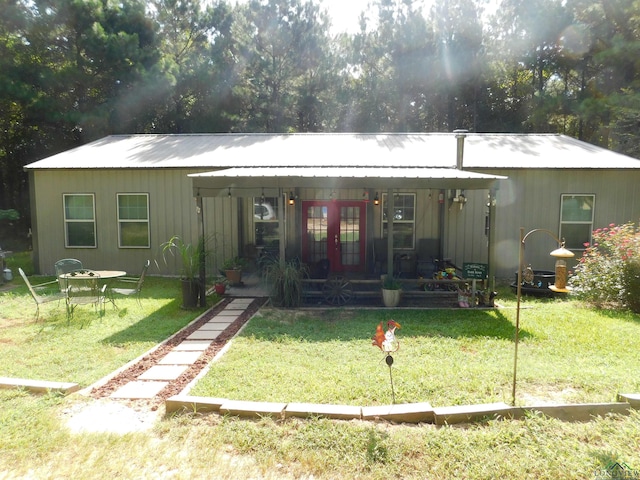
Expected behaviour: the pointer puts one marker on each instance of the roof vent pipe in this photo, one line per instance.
(460, 134)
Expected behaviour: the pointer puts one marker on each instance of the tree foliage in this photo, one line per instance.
(72, 71)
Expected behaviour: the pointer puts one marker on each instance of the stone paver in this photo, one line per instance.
(225, 320)
(203, 335)
(193, 346)
(139, 390)
(180, 358)
(211, 326)
(163, 372)
(230, 313)
(240, 302)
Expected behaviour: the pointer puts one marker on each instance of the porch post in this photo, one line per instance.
(202, 254)
(281, 227)
(390, 212)
(491, 240)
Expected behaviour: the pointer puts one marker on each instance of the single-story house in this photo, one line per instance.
(330, 198)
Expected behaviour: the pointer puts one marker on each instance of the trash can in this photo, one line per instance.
(7, 275)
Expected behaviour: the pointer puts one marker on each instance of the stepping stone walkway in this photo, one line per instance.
(152, 381)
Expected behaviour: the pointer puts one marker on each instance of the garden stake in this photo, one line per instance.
(388, 343)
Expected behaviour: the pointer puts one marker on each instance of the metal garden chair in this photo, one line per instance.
(37, 292)
(63, 266)
(83, 288)
(135, 285)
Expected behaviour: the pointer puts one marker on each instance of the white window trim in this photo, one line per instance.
(593, 208)
(278, 209)
(119, 220)
(67, 221)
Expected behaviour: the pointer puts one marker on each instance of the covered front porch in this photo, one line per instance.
(354, 224)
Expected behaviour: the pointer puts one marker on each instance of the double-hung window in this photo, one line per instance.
(79, 220)
(576, 220)
(404, 220)
(265, 220)
(133, 220)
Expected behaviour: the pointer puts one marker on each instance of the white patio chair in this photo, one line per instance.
(37, 292)
(134, 289)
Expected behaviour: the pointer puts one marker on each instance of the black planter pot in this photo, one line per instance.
(190, 294)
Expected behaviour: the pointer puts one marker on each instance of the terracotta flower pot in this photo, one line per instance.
(234, 276)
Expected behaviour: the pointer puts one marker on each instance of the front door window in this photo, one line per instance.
(335, 231)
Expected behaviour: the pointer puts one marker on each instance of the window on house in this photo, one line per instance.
(404, 207)
(133, 220)
(265, 220)
(80, 220)
(576, 220)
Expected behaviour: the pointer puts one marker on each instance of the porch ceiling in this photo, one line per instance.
(239, 181)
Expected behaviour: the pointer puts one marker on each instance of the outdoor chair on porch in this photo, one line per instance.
(135, 285)
(83, 288)
(37, 292)
(63, 266)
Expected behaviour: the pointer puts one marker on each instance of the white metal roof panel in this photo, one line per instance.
(433, 150)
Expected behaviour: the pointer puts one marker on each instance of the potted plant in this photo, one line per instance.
(220, 285)
(190, 257)
(391, 291)
(232, 268)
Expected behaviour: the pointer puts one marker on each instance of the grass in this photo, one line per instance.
(89, 346)
(446, 357)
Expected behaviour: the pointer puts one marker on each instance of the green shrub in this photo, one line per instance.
(631, 284)
(608, 274)
(285, 282)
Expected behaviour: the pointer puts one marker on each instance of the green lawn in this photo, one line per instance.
(446, 357)
(567, 353)
(89, 346)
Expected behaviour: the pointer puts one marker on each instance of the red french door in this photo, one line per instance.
(334, 230)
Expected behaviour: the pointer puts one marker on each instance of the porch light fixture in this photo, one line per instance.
(376, 199)
(560, 254)
(292, 199)
(459, 198)
(262, 199)
(229, 192)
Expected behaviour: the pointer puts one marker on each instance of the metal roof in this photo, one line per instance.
(388, 150)
(337, 177)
